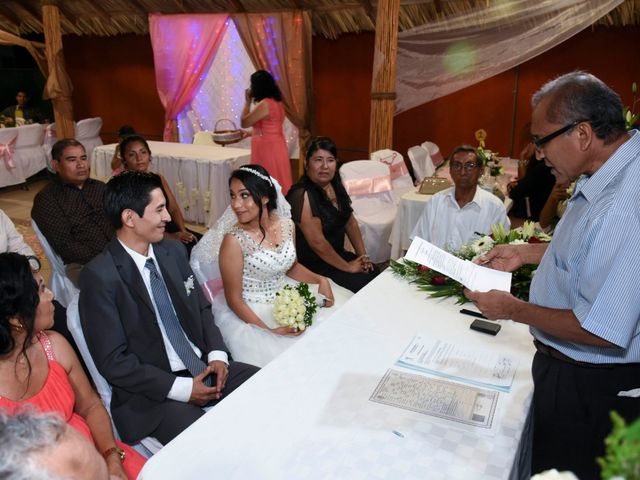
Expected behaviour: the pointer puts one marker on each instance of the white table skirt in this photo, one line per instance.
(307, 415)
(409, 211)
(28, 157)
(203, 169)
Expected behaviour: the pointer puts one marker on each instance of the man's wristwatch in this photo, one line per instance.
(121, 453)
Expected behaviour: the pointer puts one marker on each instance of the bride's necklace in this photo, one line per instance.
(269, 233)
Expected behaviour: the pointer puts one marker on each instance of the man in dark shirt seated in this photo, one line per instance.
(69, 210)
(22, 111)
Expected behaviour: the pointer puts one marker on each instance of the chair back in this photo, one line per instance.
(400, 178)
(87, 132)
(421, 162)
(63, 289)
(147, 446)
(369, 185)
(203, 138)
(434, 153)
(207, 273)
(30, 135)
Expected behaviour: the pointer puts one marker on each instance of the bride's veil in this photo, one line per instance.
(204, 256)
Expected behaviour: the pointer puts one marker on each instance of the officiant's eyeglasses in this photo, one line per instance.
(540, 142)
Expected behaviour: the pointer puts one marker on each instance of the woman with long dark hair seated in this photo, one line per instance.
(321, 210)
(39, 367)
(254, 241)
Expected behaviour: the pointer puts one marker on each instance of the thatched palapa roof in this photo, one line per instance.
(331, 18)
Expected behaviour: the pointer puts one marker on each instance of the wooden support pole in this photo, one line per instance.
(58, 87)
(383, 85)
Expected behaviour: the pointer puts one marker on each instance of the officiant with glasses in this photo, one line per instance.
(583, 309)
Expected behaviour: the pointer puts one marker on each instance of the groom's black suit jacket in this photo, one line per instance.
(123, 336)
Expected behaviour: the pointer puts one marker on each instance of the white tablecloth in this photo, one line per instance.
(203, 169)
(307, 415)
(409, 210)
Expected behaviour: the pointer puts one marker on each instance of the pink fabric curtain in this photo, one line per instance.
(280, 42)
(183, 48)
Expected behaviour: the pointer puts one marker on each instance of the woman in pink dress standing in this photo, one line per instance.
(268, 146)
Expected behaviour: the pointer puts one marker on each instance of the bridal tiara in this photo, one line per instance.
(257, 174)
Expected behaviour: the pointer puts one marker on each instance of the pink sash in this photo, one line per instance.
(398, 169)
(366, 186)
(6, 152)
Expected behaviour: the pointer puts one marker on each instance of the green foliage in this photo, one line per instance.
(631, 118)
(622, 450)
(309, 302)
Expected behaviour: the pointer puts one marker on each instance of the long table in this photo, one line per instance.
(197, 174)
(307, 414)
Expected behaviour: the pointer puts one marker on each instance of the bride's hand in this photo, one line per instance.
(324, 288)
(286, 331)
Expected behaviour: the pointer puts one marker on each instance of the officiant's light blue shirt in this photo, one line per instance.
(592, 265)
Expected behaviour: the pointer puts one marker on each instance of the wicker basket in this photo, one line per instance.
(223, 136)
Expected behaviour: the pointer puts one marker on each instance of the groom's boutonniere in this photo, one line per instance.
(188, 285)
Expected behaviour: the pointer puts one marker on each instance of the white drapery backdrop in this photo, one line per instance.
(221, 94)
(442, 57)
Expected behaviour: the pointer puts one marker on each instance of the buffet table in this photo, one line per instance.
(309, 414)
(197, 174)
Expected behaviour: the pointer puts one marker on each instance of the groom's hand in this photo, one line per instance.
(202, 394)
(221, 372)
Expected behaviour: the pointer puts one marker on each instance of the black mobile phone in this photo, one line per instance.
(485, 327)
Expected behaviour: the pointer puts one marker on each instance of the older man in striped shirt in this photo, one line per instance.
(584, 306)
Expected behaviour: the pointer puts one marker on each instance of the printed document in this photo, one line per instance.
(439, 398)
(475, 366)
(475, 277)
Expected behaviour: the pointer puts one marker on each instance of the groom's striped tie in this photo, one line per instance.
(172, 326)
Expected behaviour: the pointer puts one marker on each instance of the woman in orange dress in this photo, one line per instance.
(268, 145)
(41, 369)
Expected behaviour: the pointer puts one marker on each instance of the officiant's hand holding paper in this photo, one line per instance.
(495, 304)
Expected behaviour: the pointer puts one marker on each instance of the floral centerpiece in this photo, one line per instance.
(7, 121)
(439, 285)
(294, 306)
(489, 159)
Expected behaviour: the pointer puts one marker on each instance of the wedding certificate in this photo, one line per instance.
(474, 277)
(438, 398)
(480, 367)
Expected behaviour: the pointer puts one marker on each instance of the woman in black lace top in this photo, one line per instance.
(321, 210)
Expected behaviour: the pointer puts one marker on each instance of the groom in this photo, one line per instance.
(148, 327)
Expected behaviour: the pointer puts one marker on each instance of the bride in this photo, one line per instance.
(255, 246)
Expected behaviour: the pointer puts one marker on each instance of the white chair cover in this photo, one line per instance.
(421, 162)
(50, 137)
(400, 178)
(368, 183)
(10, 170)
(60, 284)
(147, 446)
(203, 138)
(434, 152)
(29, 149)
(87, 132)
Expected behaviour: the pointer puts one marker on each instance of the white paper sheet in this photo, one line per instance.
(439, 398)
(482, 367)
(474, 277)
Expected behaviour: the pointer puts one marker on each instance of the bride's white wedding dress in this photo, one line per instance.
(263, 275)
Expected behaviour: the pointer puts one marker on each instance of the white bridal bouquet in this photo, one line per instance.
(294, 306)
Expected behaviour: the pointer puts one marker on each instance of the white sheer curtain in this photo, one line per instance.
(221, 95)
(442, 57)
